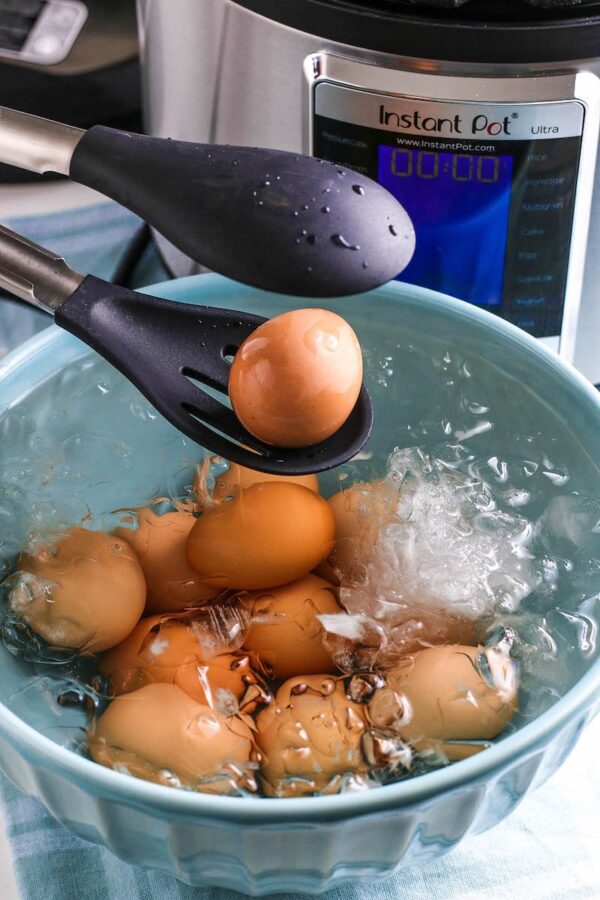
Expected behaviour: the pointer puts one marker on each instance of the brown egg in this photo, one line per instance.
(159, 542)
(160, 734)
(296, 379)
(163, 649)
(311, 738)
(238, 478)
(271, 534)
(285, 633)
(360, 512)
(85, 590)
(446, 694)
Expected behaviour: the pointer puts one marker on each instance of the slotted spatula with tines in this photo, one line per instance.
(168, 350)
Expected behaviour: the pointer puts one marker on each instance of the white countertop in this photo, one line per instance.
(38, 199)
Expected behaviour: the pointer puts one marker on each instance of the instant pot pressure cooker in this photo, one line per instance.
(482, 117)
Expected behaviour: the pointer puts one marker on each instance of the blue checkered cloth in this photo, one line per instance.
(548, 848)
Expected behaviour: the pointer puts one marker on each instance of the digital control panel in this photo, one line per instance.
(490, 188)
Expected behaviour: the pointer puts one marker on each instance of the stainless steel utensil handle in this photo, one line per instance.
(39, 145)
(34, 274)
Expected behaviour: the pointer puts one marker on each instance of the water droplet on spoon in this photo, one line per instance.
(340, 241)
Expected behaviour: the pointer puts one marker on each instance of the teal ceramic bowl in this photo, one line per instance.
(75, 439)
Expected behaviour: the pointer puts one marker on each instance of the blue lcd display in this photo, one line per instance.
(459, 205)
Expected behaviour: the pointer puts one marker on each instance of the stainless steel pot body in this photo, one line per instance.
(216, 71)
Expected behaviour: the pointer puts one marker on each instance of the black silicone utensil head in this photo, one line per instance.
(279, 221)
(174, 352)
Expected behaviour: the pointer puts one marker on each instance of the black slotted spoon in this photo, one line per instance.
(163, 348)
(275, 220)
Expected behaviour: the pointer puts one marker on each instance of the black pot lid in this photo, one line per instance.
(481, 31)
(508, 9)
